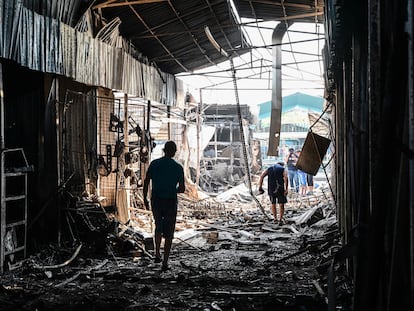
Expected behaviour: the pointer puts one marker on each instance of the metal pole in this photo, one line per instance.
(199, 109)
(169, 123)
(3, 214)
(126, 138)
(144, 166)
(148, 114)
(276, 113)
(409, 27)
(2, 143)
(3, 186)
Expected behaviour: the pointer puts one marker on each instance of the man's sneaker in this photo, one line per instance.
(282, 222)
(164, 267)
(157, 259)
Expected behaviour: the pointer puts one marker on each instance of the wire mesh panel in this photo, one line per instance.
(150, 125)
(138, 143)
(110, 127)
(89, 132)
(108, 142)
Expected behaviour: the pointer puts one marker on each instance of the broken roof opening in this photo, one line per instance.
(302, 68)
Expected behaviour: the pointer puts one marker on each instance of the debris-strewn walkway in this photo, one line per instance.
(227, 255)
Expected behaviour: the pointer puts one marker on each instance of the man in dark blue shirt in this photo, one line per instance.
(277, 188)
(167, 178)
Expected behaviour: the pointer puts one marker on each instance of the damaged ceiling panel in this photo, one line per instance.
(297, 10)
(171, 33)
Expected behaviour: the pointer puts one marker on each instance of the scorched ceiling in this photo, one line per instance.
(171, 33)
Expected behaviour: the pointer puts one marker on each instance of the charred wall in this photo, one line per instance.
(367, 75)
(30, 115)
(26, 116)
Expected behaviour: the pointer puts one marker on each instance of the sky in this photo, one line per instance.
(302, 67)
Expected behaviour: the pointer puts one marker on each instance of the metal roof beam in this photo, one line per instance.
(218, 23)
(196, 30)
(286, 4)
(257, 26)
(200, 8)
(298, 16)
(203, 51)
(112, 3)
(238, 67)
(222, 29)
(238, 78)
(212, 27)
(156, 38)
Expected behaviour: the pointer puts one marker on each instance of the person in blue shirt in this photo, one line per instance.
(167, 179)
(277, 188)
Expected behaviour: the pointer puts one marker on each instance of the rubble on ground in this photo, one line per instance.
(227, 255)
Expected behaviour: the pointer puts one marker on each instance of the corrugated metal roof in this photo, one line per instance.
(171, 32)
(294, 10)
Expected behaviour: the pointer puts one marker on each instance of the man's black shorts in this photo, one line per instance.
(165, 214)
(280, 199)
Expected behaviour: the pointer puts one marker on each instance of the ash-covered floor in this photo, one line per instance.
(227, 255)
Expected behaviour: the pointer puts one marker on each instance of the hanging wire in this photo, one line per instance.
(246, 160)
(288, 35)
(259, 30)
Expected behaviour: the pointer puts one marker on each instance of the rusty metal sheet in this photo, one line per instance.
(313, 152)
(45, 44)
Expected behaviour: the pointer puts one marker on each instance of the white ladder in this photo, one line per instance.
(13, 225)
